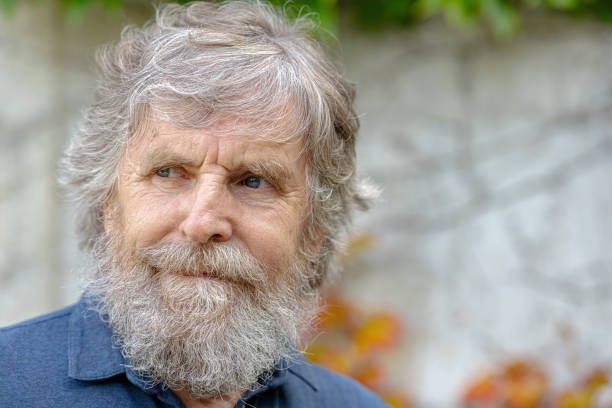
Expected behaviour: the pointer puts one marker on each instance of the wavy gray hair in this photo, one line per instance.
(199, 63)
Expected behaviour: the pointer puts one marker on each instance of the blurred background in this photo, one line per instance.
(483, 278)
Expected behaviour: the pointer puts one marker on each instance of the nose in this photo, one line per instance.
(208, 217)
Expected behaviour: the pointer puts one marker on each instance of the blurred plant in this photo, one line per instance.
(353, 342)
(518, 384)
(357, 245)
(523, 384)
(587, 394)
(500, 17)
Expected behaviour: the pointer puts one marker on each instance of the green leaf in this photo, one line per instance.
(328, 13)
(459, 14)
(8, 6)
(427, 8)
(112, 4)
(533, 3)
(74, 10)
(502, 18)
(563, 4)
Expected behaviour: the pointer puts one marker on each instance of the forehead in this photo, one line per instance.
(226, 143)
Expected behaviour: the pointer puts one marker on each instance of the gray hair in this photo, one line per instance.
(199, 63)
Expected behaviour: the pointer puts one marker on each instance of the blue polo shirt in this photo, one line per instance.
(67, 359)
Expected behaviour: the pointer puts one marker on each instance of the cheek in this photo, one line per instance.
(271, 239)
(147, 218)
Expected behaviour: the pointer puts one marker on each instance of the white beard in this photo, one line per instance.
(211, 336)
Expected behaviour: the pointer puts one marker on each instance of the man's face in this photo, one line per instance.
(199, 270)
(209, 186)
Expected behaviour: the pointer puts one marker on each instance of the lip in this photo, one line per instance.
(205, 276)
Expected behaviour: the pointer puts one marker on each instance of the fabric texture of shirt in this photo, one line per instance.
(68, 359)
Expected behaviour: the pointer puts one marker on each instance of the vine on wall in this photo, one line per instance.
(523, 383)
(354, 342)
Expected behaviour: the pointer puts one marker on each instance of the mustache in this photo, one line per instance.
(222, 261)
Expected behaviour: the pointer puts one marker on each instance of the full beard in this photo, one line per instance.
(207, 319)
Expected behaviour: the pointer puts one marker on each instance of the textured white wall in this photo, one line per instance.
(46, 77)
(493, 235)
(495, 230)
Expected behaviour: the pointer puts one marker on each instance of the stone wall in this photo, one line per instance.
(493, 234)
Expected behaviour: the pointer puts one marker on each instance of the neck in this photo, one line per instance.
(227, 401)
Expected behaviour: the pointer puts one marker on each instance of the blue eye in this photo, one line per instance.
(167, 172)
(252, 182)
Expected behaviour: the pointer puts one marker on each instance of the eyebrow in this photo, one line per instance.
(165, 157)
(274, 171)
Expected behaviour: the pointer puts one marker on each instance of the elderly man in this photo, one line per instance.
(213, 179)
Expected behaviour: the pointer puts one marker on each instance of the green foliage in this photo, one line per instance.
(8, 6)
(500, 17)
(326, 10)
(373, 14)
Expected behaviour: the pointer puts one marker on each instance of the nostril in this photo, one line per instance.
(217, 237)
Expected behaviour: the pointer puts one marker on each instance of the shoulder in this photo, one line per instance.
(45, 322)
(33, 353)
(43, 332)
(41, 335)
(315, 383)
(64, 359)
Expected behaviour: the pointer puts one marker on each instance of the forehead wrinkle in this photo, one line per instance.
(166, 156)
(229, 144)
(181, 146)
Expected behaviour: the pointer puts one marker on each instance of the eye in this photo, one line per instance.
(168, 172)
(255, 182)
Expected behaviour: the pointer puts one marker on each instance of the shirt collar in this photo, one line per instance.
(93, 355)
(304, 371)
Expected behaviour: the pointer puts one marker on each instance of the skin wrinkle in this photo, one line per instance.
(272, 170)
(272, 211)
